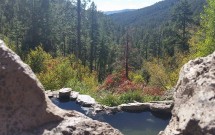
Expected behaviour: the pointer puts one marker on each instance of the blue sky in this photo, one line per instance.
(110, 5)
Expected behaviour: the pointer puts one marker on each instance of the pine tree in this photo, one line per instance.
(78, 45)
(182, 17)
(102, 60)
(94, 34)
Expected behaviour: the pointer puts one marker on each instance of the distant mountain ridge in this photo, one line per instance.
(155, 15)
(118, 11)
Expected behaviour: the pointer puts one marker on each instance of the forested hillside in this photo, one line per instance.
(155, 15)
(58, 28)
(123, 57)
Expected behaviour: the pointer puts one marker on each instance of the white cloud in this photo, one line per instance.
(110, 5)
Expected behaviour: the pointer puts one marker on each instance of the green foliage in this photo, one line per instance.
(37, 59)
(66, 72)
(9, 43)
(158, 74)
(207, 32)
(110, 100)
(57, 75)
(136, 77)
(131, 96)
(182, 18)
(149, 98)
(79, 86)
(165, 72)
(182, 15)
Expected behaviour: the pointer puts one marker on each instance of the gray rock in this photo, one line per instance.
(74, 95)
(134, 107)
(23, 104)
(162, 106)
(168, 95)
(112, 110)
(97, 108)
(64, 93)
(194, 106)
(75, 124)
(26, 110)
(166, 102)
(78, 126)
(85, 100)
(49, 93)
(55, 93)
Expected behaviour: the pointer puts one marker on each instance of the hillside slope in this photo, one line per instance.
(156, 14)
(118, 11)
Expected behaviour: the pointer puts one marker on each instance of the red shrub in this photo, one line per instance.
(118, 83)
(153, 91)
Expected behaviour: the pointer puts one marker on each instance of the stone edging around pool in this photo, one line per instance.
(87, 101)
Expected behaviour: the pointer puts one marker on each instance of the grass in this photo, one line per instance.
(111, 99)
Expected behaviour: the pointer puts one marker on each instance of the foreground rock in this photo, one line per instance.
(194, 109)
(75, 125)
(24, 108)
(85, 100)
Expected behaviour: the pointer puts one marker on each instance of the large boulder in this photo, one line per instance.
(24, 108)
(23, 104)
(75, 125)
(194, 96)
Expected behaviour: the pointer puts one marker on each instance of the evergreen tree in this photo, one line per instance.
(78, 45)
(102, 60)
(182, 17)
(207, 39)
(126, 55)
(94, 33)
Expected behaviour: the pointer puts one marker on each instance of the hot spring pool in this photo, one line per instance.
(143, 123)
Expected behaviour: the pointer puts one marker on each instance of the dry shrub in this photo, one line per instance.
(153, 91)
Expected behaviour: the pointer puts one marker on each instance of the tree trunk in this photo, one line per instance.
(126, 56)
(64, 47)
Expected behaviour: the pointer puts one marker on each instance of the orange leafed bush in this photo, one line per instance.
(129, 86)
(153, 91)
(118, 83)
